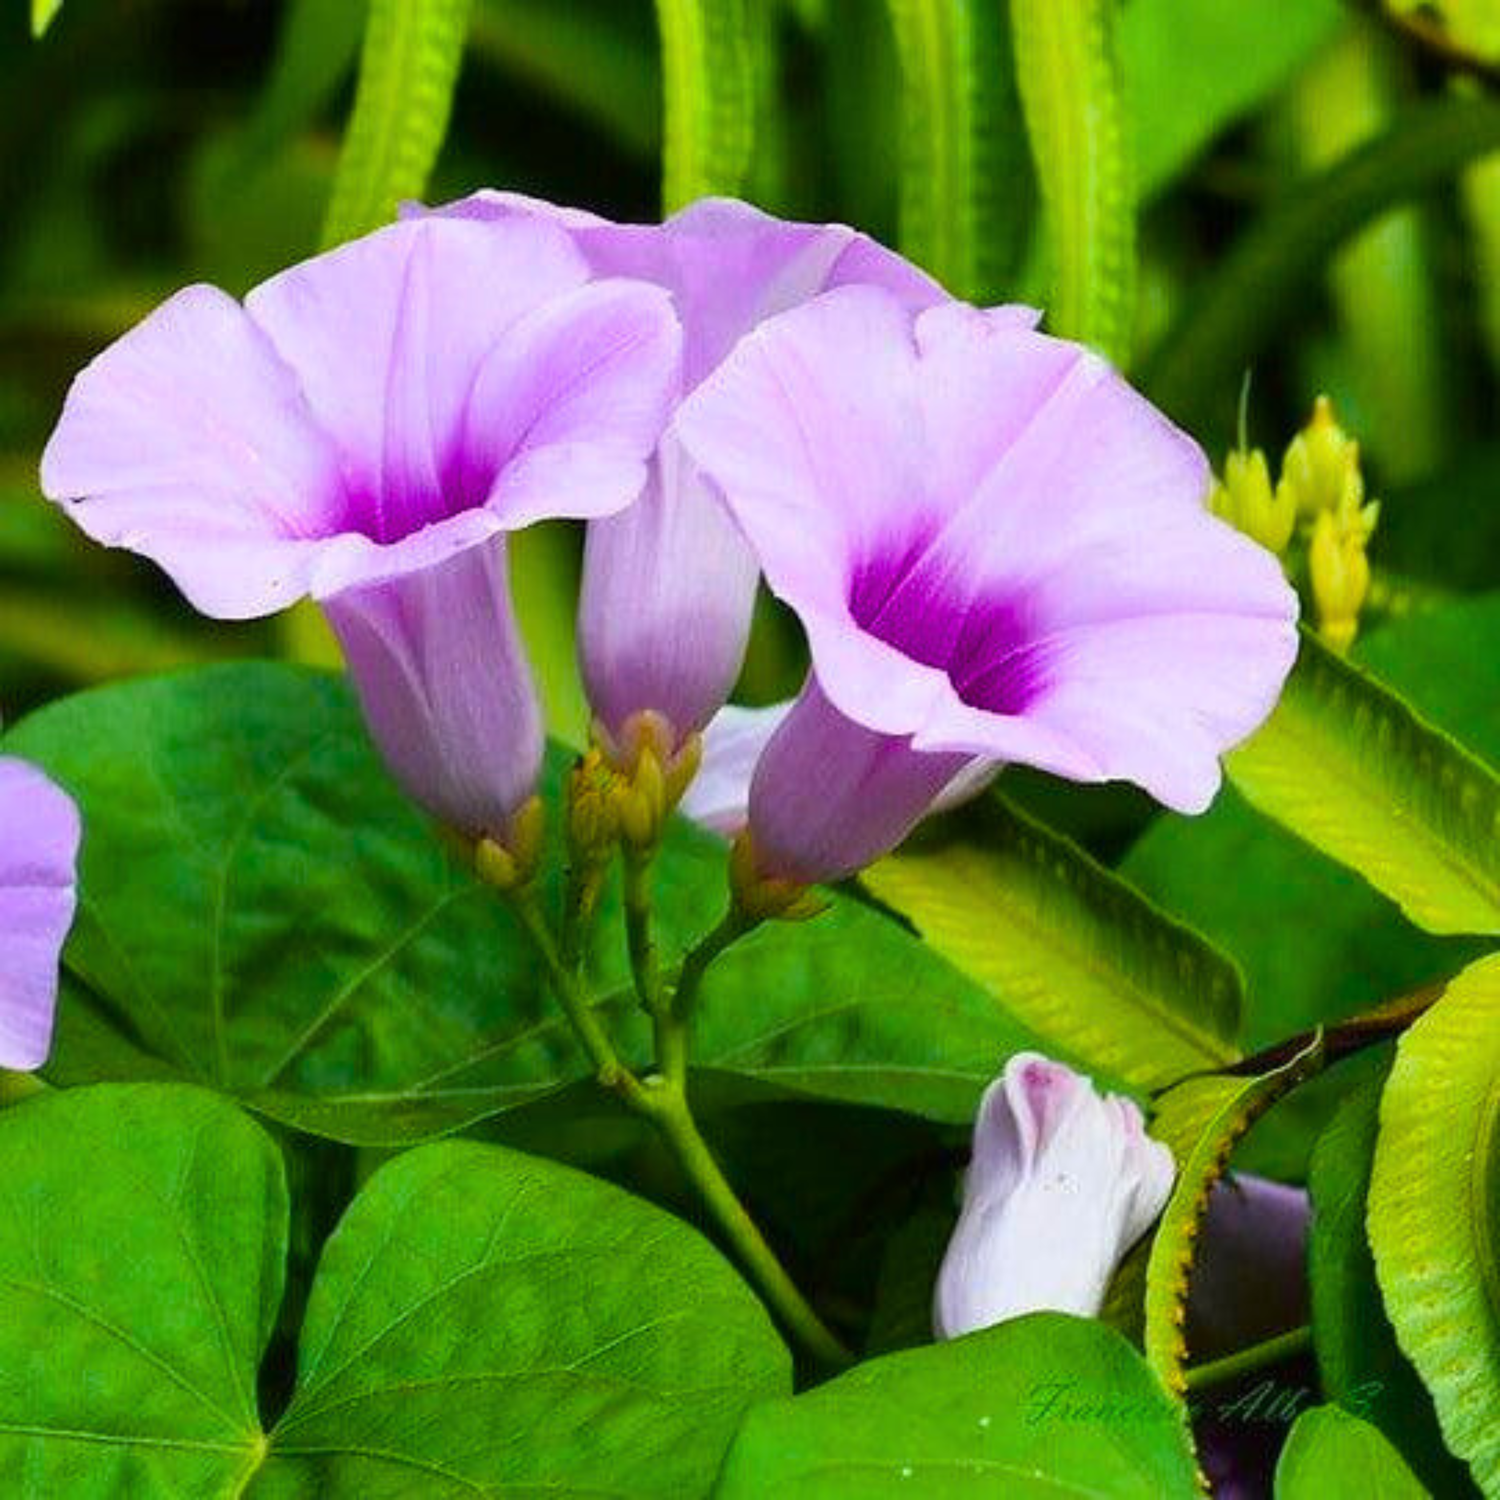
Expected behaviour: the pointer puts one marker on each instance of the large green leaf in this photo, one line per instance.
(1068, 947)
(497, 1323)
(262, 910)
(1075, 119)
(142, 1252)
(1434, 1211)
(1037, 1408)
(966, 194)
(1350, 767)
(1358, 1360)
(1330, 1455)
(481, 1321)
(408, 69)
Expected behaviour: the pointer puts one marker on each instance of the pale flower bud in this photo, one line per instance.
(1062, 1182)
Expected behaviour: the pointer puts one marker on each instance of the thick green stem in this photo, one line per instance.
(666, 1105)
(1272, 1351)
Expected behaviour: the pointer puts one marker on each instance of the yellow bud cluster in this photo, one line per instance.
(1246, 499)
(629, 785)
(1322, 486)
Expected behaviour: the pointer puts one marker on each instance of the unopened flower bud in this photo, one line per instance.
(1246, 499)
(1315, 467)
(1340, 573)
(1062, 1182)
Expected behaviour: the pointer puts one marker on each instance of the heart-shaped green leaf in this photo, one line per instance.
(262, 910)
(1037, 1408)
(481, 1320)
(1330, 1455)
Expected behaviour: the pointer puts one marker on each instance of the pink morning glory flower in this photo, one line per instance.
(719, 797)
(669, 584)
(1063, 1180)
(365, 429)
(997, 550)
(39, 836)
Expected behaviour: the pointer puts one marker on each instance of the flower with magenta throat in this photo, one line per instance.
(39, 836)
(997, 549)
(669, 584)
(365, 429)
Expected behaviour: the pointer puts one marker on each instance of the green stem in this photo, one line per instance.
(580, 901)
(638, 940)
(667, 1106)
(662, 1099)
(1272, 1351)
(732, 927)
(610, 1071)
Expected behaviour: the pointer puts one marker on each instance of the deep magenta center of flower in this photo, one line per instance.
(985, 644)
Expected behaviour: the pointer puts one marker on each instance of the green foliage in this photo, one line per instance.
(1434, 1211)
(1041, 1406)
(1330, 1455)
(469, 1295)
(1075, 119)
(1237, 311)
(263, 910)
(1356, 772)
(1075, 952)
(1191, 67)
(142, 1256)
(478, 1312)
(1359, 1362)
(965, 188)
(708, 85)
(43, 13)
(407, 73)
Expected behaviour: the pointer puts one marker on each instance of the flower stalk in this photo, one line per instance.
(661, 1097)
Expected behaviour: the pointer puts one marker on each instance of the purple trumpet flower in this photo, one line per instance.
(38, 859)
(366, 429)
(998, 550)
(669, 584)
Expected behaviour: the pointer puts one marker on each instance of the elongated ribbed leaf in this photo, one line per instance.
(1359, 1362)
(407, 73)
(1070, 90)
(1197, 369)
(1434, 1212)
(708, 88)
(1330, 1455)
(965, 188)
(1083, 958)
(1201, 1120)
(1346, 764)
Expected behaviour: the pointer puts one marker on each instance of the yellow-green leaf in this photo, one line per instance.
(1067, 947)
(1347, 765)
(1434, 1212)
